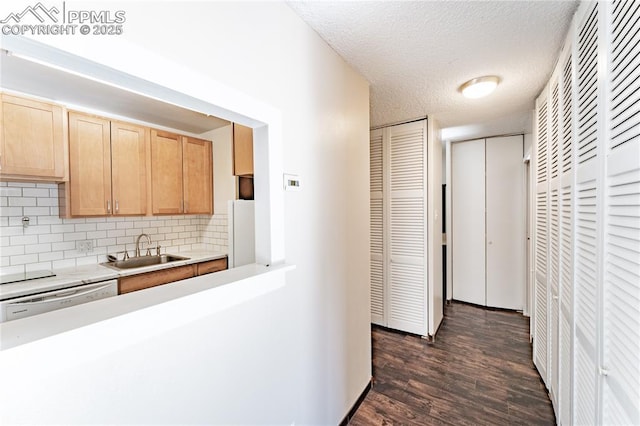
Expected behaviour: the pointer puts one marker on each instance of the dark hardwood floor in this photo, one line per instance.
(477, 372)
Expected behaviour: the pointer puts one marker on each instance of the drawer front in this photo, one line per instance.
(152, 279)
(212, 266)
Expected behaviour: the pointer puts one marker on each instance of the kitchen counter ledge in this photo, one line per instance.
(138, 315)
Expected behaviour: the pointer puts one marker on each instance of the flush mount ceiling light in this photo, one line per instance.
(479, 87)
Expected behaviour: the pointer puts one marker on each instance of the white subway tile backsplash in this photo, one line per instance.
(49, 220)
(24, 259)
(105, 226)
(37, 211)
(23, 239)
(10, 192)
(63, 246)
(50, 238)
(65, 263)
(13, 250)
(21, 201)
(50, 242)
(106, 242)
(47, 202)
(9, 231)
(75, 236)
(35, 192)
(96, 235)
(11, 211)
(52, 255)
(85, 227)
(37, 230)
(69, 227)
(37, 248)
(38, 266)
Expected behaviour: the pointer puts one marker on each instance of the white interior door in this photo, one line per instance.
(505, 218)
(468, 220)
(377, 228)
(407, 290)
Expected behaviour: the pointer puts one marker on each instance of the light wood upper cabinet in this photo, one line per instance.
(107, 168)
(89, 165)
(129, 168)
(32, 140)
(242, 150)
(197, 174)
(181, 174)
(166, 172)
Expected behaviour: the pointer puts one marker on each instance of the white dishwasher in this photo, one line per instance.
(26, 306)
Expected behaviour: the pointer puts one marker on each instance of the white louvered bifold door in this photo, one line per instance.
(407, 301)
(565, 327)
(554, 238)
(377, 227)
(541, 238)
(588, 222)
(621, 305)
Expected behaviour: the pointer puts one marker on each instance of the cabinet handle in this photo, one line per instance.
(182, 206)
(117, 206)
(186, 206)
(109, 206)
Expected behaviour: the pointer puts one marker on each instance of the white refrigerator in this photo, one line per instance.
(242, 245)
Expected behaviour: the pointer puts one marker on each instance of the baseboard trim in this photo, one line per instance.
(355, 407)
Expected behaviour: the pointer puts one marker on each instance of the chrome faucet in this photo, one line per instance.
(138, 244)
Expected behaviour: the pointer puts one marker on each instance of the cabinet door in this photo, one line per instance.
(166, 172)
(89, 165)
(155, 278)
(32, 140)
(129, 145)
(198, 179)
(242, 150)
(211, 266)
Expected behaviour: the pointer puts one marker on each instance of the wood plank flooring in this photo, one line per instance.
(477, 372)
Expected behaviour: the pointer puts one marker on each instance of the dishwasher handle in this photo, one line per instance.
(56, 298)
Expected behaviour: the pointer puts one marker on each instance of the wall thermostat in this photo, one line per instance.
(291, 182)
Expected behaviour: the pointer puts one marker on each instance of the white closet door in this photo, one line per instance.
(377, 228)
(505, 218)
(621, 354)
(588, 242)
(407, 228)
(468, 221)
(541, 239)
(554, 239)
(565, 355)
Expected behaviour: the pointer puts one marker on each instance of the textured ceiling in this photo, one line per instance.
(416, 54)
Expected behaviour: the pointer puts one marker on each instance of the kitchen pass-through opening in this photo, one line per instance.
(155, 80)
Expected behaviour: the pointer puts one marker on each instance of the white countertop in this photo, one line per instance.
(87, 274)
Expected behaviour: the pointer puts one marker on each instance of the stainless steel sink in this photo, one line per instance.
(138, 262)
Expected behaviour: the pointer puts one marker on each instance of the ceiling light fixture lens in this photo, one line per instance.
(479, 87)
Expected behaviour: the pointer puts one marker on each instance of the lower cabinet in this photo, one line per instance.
(165, 276)
(211, 266)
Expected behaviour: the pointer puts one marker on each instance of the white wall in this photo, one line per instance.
(306, 347)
